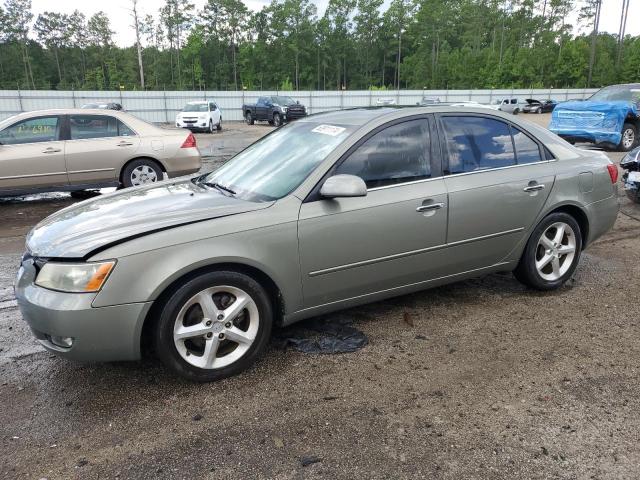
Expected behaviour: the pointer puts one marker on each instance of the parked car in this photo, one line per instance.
(538, 106)
(385, 101)
(332, 211)
(630, 163)
(610, 118)
(276, 110)
(76, 149)
(428, 101)
(102, 106)
(508, 105)
(202, 116)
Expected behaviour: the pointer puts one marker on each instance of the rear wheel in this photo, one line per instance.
(628, 140)
(551, 254)
(248, 118)
(214, 326)
(141, 172)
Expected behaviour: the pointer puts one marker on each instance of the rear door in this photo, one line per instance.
(392, 237)
(261, 108)
(98, 147)
(498, 179)
(32, 154)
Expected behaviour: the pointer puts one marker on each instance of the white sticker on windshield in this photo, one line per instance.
(329, 130)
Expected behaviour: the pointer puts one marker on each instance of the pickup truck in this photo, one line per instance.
(276, 110)
(610, 118)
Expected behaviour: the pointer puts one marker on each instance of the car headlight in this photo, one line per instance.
(74, 277)
(284, 109)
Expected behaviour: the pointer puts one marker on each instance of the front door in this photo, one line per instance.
(392, 237)
(32, 155)
(498, 180)
(98, 147)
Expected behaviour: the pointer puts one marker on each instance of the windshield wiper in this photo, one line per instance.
(220, 187)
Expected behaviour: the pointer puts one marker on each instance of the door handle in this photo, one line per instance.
(431, 206)
(534, 188)
(125, 144)
(51, 150)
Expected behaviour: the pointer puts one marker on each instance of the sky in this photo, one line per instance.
(118, 12)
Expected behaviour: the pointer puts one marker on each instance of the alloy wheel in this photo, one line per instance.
(556, 251)
(216, 327)
(628, 138)
(142, 175)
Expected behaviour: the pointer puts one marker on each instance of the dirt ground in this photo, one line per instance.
(482, 379)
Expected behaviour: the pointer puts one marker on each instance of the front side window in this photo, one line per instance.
(35, 130)
(397, 154)
(477, 143)
(278, 163)
(92, 126)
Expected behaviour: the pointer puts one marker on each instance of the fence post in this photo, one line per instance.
(370, 97)
(166, 111)
(398, 95)
(20, 99)
(491, 96)
(73, 96)
(310, 101)
(341, 99)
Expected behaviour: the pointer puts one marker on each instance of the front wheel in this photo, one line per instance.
(551, 254)
(214, 326)
(277, 120)
(219, 126)
(249, 118)
(539, 110)
(210, 129)
(628, 139)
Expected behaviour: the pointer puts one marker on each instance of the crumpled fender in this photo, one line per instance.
(598, 122)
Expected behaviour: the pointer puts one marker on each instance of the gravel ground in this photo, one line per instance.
(479, 379)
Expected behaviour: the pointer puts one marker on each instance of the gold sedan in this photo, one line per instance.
(74, 149)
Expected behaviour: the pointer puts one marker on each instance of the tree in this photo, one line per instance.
(136, 24)
(52, 31)
(18, 19)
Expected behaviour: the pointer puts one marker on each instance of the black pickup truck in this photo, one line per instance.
(274, 110)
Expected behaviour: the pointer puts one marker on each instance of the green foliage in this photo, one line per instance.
(355, 44)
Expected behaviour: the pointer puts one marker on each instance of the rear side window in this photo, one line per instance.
(35, 130)
(92, 126)
(527, 150)
(477, 143)
(397, 154)
(124, 131)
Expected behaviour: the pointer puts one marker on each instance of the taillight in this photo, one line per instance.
(190, 141)
(613, 172)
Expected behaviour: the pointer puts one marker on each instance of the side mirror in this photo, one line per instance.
(343, 186)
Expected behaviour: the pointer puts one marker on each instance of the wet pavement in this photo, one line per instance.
(479, 379)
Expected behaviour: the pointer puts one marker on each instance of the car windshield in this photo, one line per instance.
(278, 163)
(283, 100)
(196, 107)
(618, 92)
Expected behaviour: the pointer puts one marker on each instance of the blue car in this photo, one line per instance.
(610, 118)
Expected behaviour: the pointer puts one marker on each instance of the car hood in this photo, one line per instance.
(531, 101)
(79, 230)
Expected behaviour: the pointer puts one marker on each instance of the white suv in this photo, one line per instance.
(200, 116)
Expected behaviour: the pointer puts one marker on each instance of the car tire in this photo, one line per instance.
(543, 264)
(248, 118)
(191, 355)
(629, 138)
(539, 110)
(516, 111)
(210, 127)
(219, 125)
(141, 172)
(277, 120)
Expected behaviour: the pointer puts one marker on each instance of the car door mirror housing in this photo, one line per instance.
(339, 186)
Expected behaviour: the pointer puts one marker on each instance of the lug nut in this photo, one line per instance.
(221, 336)
(209, 322)
(220, 317)
(227, 325)
(209, 335)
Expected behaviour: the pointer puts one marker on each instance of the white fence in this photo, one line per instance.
(162, 106)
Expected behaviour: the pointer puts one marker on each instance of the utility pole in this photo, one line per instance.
(621, 31)
(139, 46)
